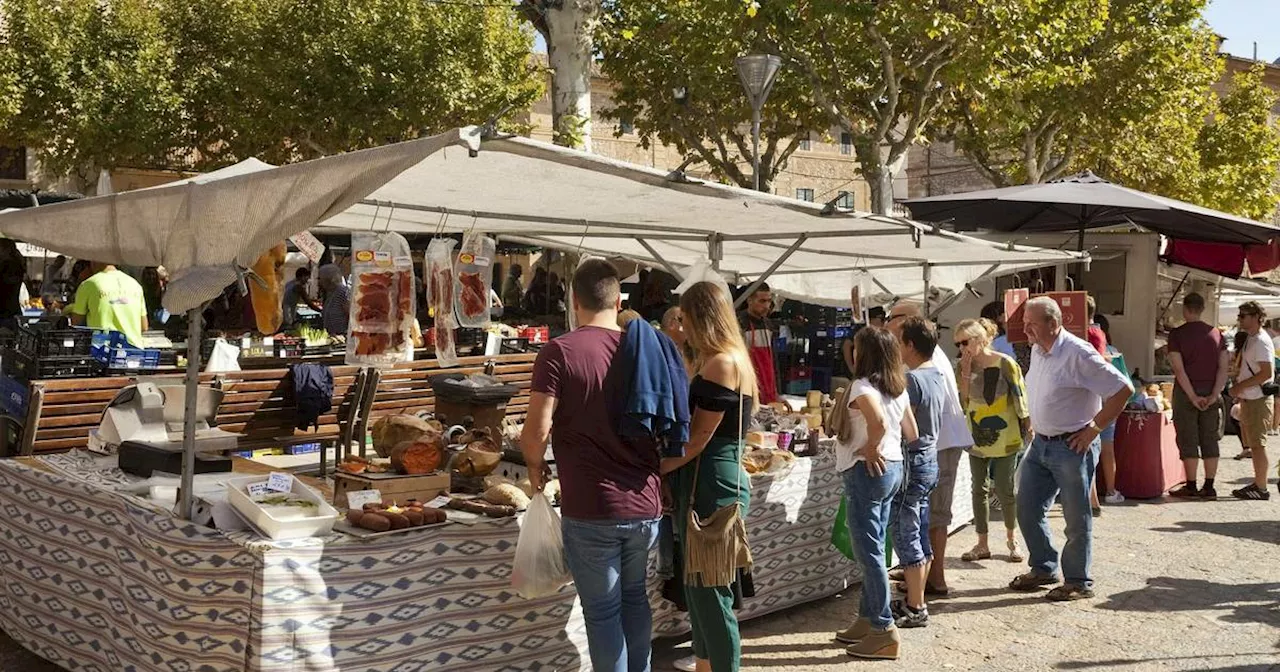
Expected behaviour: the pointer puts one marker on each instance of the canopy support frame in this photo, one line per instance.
(665, 264)
(195, 328)
(742, 298)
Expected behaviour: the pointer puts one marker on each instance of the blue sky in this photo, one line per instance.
(1244, 22)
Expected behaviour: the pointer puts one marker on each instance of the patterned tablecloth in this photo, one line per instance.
(96, 580)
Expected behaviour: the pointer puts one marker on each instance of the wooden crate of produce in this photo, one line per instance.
(393, 487)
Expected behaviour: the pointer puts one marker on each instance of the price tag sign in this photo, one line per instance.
(358, 498)
(245, 343)
(439, 502)
(308, 245)
(69, 343)
(257, 489)
(268, 342)
(279, 482)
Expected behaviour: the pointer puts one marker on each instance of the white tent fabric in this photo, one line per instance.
(526, 191)
(203, 228)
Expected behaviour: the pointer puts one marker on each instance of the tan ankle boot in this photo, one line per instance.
(877, 645)
(854, 634)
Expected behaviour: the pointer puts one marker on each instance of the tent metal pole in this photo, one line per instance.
(194, 330)
(665, 264)
(742, 298)
(715, 250)
(928, 274)
(968, 287)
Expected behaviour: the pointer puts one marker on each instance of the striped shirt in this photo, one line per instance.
(337, 307)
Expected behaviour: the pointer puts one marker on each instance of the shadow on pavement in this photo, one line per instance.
(1267, 532)
(1120, 662)
(1247, 602)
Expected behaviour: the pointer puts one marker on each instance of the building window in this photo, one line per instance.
(845, 200)
(804, 194)
(626, 126)
(846, 144)
(805, 144)
(1105, 280)
(13, 163)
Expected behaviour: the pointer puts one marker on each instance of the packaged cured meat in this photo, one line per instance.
(438, 269)
(382, 301)
(473, 276)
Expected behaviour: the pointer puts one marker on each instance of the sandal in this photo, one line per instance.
(1015, 553)
(977, 553)
(1030, 581)
(897, 574)
(1069, 592)
(1245, 454)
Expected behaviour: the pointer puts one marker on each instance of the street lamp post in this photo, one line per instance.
(757, 72)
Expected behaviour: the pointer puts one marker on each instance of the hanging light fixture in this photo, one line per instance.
(757, 73)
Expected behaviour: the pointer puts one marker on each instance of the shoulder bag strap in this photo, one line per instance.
(697, 463)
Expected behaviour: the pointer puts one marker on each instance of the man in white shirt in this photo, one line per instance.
(1256, 368)
(1072, 393)
(952, 442)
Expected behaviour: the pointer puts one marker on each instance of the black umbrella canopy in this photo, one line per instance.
(1086, 201)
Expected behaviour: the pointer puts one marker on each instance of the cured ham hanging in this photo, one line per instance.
(382, 302)
(474, 277)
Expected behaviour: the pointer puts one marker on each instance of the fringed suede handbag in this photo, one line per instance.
(716, 548)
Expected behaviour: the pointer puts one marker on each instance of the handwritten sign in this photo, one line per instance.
(358, 498)
(308, 245)
(280, 482)
(257, 489)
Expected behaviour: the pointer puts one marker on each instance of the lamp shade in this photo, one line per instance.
(757, 72)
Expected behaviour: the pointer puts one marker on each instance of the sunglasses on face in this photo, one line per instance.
(962, 344)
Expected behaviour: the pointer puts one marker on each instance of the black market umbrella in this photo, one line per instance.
(1086, 201)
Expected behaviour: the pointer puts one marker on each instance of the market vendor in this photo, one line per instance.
(757, 331)
(13, 273)
(337, 300)
(111, 300)
(297, 293)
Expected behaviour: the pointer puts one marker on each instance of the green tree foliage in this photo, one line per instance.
(209, 82)
(672, 65)
(1239, 151)
(881, 71)
(1082, 75)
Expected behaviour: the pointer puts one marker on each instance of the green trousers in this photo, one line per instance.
(1002, 470)
(721, 481)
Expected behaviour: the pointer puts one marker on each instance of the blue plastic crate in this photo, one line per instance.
(122, 358)
(14, 397)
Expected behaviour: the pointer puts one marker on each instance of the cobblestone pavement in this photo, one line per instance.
(1181, 586)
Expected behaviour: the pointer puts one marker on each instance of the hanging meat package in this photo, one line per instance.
(382, 300)
(438, 271)
(473, 276)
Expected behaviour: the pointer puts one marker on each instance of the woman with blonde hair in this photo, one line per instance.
(710, 478)
(994, 398)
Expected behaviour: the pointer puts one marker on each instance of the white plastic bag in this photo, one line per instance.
(382, 300)
(540, 568)
(702, 272)
(472, 278)
(224, 359)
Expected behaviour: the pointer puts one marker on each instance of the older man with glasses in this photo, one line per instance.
(1072, 393)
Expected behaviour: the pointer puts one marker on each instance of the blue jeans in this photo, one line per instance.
(870, 499)
(910, 513)
(609, 560)
(1047, 468)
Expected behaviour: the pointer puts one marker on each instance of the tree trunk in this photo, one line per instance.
(878, 172)
(569, 53)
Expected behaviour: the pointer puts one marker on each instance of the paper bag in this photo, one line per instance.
(1074, 311)
(1015, 301)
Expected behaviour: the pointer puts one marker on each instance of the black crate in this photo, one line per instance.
(23, 367)
(515, 346)
(54, 342)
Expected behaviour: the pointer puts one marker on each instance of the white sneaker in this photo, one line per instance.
(1115, 498)
(687, 664)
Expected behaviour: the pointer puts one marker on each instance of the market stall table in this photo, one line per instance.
(1147, 459)
(94, 579)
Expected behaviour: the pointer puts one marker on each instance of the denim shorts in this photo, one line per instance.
(1108, 433)
(910, 515)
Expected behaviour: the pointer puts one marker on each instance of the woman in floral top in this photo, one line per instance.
(995, 400)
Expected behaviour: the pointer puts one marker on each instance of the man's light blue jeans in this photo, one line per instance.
(870, 499)
(609, 560)
(1051, 467)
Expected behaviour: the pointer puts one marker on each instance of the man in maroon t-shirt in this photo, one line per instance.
(1198, 354)
(609, 488)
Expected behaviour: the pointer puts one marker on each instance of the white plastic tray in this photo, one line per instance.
(273, 528)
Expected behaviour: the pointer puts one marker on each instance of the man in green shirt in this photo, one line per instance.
(111, 300)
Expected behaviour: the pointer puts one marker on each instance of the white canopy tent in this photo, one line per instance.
(534, 193)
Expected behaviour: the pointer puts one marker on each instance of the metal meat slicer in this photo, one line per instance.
(145, 421)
